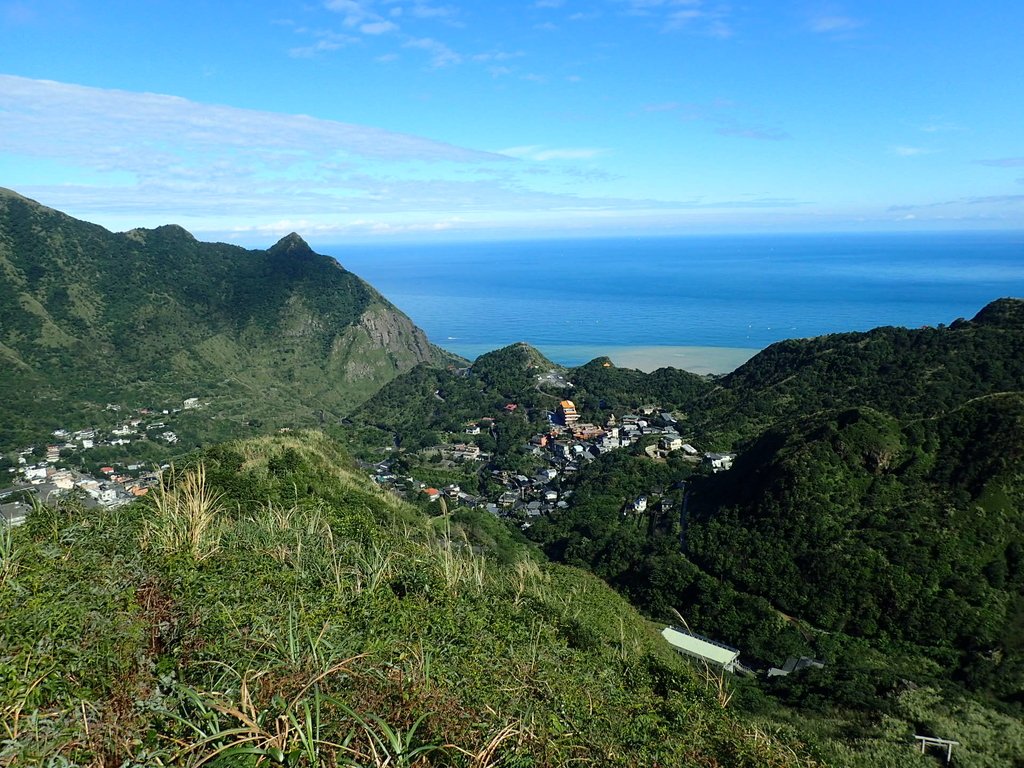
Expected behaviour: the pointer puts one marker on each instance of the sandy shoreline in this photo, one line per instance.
(648, 358)
(693, 359)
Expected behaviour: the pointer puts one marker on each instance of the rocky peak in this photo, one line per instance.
(291, 246)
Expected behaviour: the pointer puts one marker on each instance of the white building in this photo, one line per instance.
(701, 648)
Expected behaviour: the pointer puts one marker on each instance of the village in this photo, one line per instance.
(49, 472)
(559, 450)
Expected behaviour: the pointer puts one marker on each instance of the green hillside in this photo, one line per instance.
(147, 317)
(856, 523)
(903, 372)
(269, 607)
(415, 407)
(603, 389)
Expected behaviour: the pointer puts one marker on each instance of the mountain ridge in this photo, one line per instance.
(89, 316)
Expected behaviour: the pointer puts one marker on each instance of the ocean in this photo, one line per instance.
(704, 303)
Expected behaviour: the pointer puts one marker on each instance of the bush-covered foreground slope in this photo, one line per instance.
(268, 607)
(151, 317)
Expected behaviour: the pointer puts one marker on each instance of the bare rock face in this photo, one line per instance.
(395, 332)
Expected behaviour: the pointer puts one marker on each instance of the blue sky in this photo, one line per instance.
(382, 119)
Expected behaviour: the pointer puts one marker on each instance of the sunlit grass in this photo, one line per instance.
(185, 515)
(326, 628)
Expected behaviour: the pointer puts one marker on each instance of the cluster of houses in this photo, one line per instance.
(561, 449)
(44, 479)
(140, 424)
(46, 483)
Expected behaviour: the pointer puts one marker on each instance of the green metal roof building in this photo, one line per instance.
(701, 648)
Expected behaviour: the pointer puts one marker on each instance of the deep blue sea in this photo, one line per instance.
(572, 297)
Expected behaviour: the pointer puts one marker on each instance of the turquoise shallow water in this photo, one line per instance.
(573, 297)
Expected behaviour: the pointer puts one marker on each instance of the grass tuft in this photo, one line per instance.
(185, 515)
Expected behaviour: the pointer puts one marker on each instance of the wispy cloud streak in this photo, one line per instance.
(542, 154)
(156, 158)
(1003, 162)
(145, 131)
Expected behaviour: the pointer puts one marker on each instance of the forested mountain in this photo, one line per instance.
(903, 372)
(89, 317)
(604, 389)
(858, 523)
(415, 407)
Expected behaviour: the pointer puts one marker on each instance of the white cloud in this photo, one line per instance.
(363, 15)
(440, 54)
(353, 11)
(158, 138)
(497, 55)
(139, 159)
(906, 151)
(834, 24)
(325, 40)
(377, 27)
(541, 153)
(940, 127)
(356, 228)
(749, 132)
(1003, 162)
(665, 106)
(726, 116)
(423, 10)
(695, 16)
(995, 202)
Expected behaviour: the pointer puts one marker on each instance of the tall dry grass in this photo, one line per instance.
(185, 515)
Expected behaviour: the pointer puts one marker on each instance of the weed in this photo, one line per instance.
(385, 745)
(185, 515)
(8, 553)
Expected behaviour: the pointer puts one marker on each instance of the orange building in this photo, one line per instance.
(567, 412)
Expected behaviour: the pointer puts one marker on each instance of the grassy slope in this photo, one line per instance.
(310, 611)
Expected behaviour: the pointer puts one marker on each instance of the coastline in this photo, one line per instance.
(702, 360)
